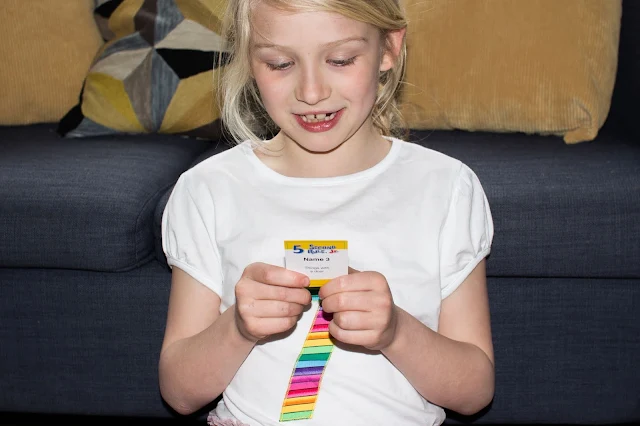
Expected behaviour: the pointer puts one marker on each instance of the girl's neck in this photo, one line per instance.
(287, 158)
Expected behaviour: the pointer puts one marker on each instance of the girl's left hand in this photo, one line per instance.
(363, 310)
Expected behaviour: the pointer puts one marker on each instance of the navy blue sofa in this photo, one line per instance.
(84, 284)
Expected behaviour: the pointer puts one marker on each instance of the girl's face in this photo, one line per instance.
(317, 73)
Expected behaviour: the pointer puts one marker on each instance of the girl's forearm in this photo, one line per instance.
(455, 375)
(195, 371)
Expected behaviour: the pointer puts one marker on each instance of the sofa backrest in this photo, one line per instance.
(626, 95)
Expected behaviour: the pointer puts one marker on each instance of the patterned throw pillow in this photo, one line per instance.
(156, 72)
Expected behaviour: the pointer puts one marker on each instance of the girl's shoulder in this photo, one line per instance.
(222, 163)
(427, 159)
(421, 164)
(221, 157)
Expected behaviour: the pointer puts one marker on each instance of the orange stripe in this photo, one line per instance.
(301, 400)
(318, 335)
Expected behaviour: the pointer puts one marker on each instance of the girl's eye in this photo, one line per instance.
(279, 67)
(342, 62)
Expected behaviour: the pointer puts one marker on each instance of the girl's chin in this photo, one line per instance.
(315, 145)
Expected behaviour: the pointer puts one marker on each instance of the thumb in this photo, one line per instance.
(353, 271)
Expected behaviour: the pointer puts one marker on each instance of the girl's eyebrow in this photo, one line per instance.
(326, 45)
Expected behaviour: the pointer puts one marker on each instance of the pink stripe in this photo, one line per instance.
(302, 392)
(309, 378)
(303, 385)
(321, 321)
(320, 327)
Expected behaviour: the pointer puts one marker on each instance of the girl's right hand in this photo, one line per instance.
(269, 300)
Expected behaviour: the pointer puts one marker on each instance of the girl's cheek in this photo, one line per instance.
(362, 82)
(264, 80)
(272, 84)
(273, 90)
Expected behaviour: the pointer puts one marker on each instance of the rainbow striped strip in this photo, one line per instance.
(304, 385)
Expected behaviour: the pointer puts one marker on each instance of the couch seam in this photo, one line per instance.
(140, 213)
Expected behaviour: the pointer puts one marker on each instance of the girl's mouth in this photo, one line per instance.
(320, 122)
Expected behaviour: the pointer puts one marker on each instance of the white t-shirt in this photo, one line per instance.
(418, 217)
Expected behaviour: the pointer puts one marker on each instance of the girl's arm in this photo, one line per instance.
(203, 349)
(453, 368)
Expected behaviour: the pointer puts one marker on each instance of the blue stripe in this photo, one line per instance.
(306, 364)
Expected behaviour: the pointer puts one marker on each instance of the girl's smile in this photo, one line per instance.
(319, 121)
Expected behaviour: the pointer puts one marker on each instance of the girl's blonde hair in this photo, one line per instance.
(243, 113)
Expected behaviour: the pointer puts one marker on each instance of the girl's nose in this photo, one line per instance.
(312, 87)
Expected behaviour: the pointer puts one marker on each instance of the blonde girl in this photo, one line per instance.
(311, 96)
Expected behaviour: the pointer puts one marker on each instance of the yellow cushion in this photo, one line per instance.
(533, 66)
(46, 49)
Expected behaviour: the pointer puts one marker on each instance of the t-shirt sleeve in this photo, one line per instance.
(188, 240)
(467, 232)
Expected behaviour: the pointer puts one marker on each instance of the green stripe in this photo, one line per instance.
(314, 290)
(315, 357)
(317, 350)
(296, 416)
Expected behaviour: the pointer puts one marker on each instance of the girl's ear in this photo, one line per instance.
(392, 49)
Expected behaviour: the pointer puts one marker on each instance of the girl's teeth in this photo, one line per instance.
(314, 118)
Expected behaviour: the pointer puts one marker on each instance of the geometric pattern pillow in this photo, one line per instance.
(156, 72)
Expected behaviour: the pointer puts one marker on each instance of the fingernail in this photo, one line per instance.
(306, 281)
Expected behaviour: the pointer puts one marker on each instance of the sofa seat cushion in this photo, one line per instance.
(84, 204)
(559, 210)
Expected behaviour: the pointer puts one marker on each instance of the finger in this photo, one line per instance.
(300, 296)
(264, 327)
(363, 301)
(366, 338)
(275, 275)
(356, 320)
(353, 271)
(250, 290)
(270, 309)
(361, 281)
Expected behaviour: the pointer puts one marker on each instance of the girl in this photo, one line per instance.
(411, 331)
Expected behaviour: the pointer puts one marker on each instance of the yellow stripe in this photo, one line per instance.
(318, 335)
(317, 342)
(301, 400)
(296, 408)
(317, 283)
